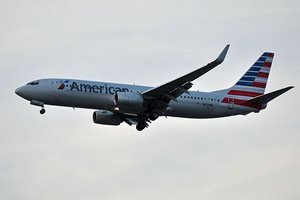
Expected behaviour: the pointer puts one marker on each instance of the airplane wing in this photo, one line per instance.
(173, 89)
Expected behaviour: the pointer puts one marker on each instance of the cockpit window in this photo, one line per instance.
(33, 83)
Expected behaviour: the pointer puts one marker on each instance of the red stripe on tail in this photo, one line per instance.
(263, 74)
(244, 93)
(258, 84)
(267, 64)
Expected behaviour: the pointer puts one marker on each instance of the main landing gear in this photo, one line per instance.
(143, 119)
(141, 126)
(153, 116)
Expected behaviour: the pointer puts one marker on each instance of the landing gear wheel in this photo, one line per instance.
(153, 116)
(140, 126)
(42, 111)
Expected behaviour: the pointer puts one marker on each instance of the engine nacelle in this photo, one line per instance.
(127, 100)
(107, 118)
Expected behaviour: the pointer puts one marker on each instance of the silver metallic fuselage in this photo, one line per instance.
(100, 96)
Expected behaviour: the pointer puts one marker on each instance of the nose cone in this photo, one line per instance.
(20, 91)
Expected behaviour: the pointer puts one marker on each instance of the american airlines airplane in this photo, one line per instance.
(139, 105)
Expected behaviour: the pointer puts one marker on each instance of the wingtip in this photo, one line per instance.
(222, 56)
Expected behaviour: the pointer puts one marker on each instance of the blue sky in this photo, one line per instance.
(63, 155)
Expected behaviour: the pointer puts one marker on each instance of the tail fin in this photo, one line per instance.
(253, 82)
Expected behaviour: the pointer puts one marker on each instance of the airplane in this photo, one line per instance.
(140, 105)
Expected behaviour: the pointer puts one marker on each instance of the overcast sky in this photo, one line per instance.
(64, 155)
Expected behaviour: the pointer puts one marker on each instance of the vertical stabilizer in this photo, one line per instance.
(253, 82)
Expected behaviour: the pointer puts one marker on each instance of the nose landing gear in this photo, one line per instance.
(39, 103)
(42, 111)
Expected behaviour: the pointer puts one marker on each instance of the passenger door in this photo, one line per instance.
(230, 103)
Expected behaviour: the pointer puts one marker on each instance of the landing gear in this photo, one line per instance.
(40, 104)
(140, 126)
(42, 111)
(153, 116)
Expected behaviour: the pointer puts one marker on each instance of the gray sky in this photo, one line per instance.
(63, 155)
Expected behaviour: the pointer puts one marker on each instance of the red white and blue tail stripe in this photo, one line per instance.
(255, 79)
(253, 82)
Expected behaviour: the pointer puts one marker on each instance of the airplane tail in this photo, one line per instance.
(253, 82)
(249, 91)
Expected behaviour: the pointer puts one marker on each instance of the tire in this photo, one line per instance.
(42, 111)
(153, 116)
(140, 126)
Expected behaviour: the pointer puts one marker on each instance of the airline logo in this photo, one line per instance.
(100, 89)
(258, 74)
(252, 84)
(62, 85)
(83, 87)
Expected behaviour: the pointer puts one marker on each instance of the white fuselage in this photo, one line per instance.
(100, 96)
(139, 105)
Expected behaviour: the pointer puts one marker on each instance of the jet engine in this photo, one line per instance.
(107, 118)
(129, 100)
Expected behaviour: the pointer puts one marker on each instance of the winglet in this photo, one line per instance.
(222, 56)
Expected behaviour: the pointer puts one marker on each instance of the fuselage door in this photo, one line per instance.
(230, 103)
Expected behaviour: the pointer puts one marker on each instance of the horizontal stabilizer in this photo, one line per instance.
(264, 99)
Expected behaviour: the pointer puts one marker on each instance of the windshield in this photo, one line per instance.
(33, 83)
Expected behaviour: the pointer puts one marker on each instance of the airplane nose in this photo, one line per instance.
(20, 91)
